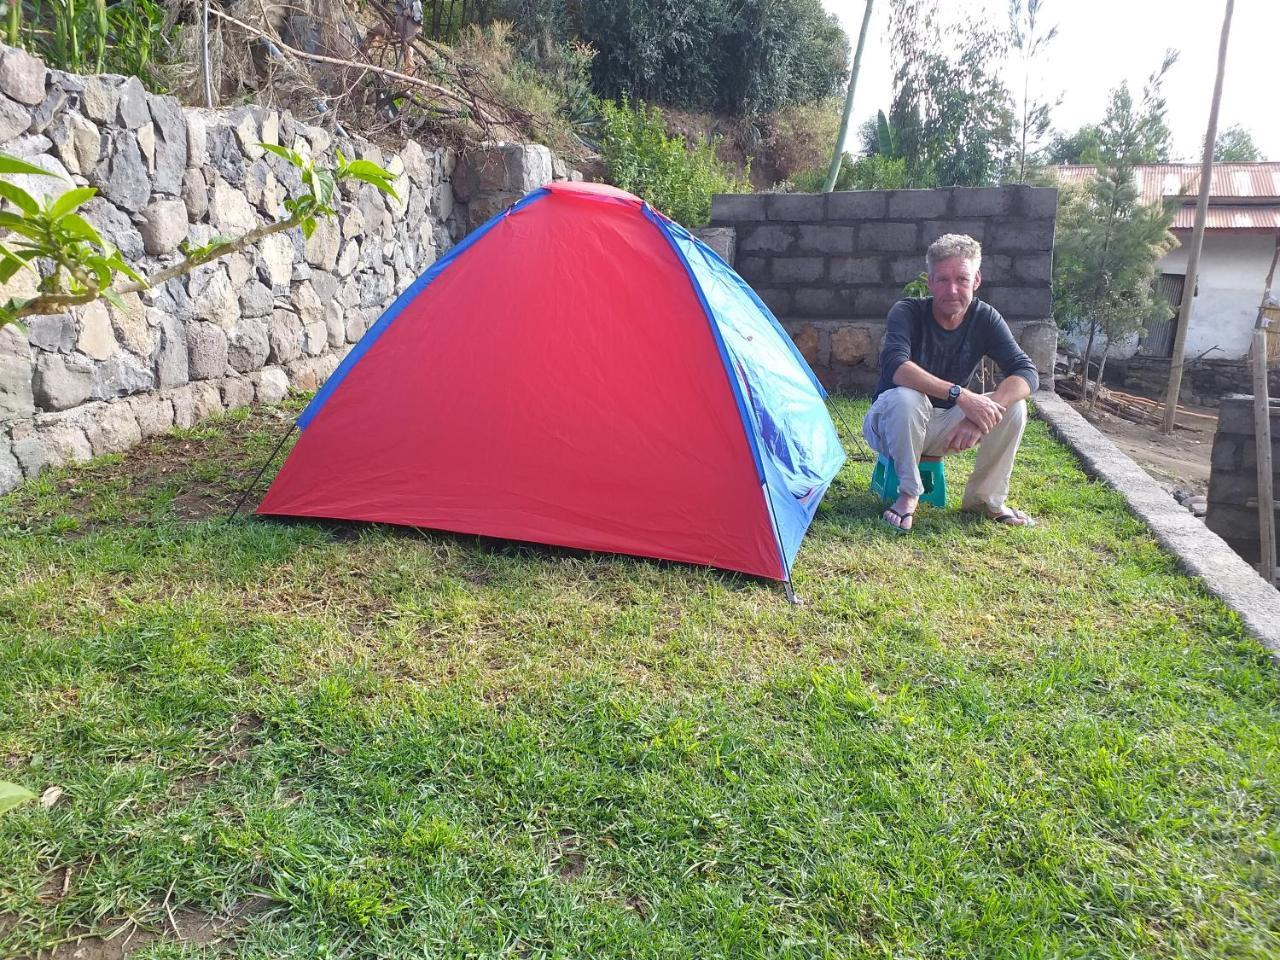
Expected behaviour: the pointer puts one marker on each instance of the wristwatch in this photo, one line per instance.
(954, 393)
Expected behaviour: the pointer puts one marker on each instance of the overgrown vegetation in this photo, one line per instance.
(674, 177)
(364, 741)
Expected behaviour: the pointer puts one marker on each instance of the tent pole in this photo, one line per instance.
(865, 453)
(249, 489)
(782, 554)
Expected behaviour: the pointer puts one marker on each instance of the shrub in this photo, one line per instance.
(677, 179)
(872, 172)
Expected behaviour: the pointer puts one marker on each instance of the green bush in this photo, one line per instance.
(677, 179)
(872, 172)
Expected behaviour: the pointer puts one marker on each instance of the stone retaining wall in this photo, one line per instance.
(98, 379)
(1233, 476)
(831, 265)
(1205, 381)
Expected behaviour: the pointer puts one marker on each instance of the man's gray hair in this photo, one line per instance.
(951, 245)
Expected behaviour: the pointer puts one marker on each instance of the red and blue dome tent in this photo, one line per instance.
(579, 371)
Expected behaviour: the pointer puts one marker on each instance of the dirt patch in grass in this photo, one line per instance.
(178, 926)
(1178, 462)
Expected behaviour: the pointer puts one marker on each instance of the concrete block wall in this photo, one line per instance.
(831, 265)
(98, 379)
(1233, 476)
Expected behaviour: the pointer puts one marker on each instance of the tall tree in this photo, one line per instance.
(1235, 145)
(1027, 36)
(952, 114)
(1131, 132)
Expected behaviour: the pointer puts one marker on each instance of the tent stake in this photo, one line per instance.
(249, 489)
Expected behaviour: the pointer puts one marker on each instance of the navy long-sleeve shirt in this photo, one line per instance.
(952, 355)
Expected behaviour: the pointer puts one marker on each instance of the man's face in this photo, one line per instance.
(952, 283)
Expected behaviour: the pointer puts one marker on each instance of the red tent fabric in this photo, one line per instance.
(556, 381)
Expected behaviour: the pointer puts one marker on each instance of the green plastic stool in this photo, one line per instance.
(884, 480)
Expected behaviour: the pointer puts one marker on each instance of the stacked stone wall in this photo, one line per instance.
(1233, 478)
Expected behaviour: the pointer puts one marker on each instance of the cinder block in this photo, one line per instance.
(905, 269)
(874, 302)
(1021, 236)
(1033, 268)
(983, 201)
(1228, 454)
(835, 241)
(858, 205)
(889, 238)
(1235, 415)
(803, 207)
(779, 301)
(1037, 202)
(918, 204)
(1023, 303)
(933, 229)
(997, 269)
(730, 209)
(819, 302)
(797, 269)
(768, 238)
(859, 270)
(753, 269)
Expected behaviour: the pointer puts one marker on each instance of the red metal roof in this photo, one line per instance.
(1242, 196)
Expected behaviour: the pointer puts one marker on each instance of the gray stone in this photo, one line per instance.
(31, 454)
(115, 226)
(918, 204)
(236, 392)
(248, 345)
(285, 337)
(62, 381)
(349, 257)
(10, 471)
(334, 323)
(133, 328)
(22, 76)
(128, 184)
(133, 112)
(171, 145)
(40, 188)
(983, 201)
(198, 123)
(206, 399)
(146, 135)
(276, 266)
(206, 351)
(888, 238)
(271, 385)
(172, 365)
(440, 202)
(358, 320)
(195, 194)
(804, 207)
(723, 240)
(850, 345)
(119, 429)
(1022, 236)
(225, 155)
(375, 291)
(96, 338)
(858, 205)
(16, 397)
(1039, 341)
(78, 142)
(229, 211)
(55, 333)
(797, 269)
(14, 119)
(64, 439)
(248, 132)
(213, 297)
(153, 414)
(733, 209)
(416, 164)
(307, 303)
(315, 338)
(164, 226)
(262, 190)
(857, 270)
(100, 98)
(837, 241)
(43, 115)
(256, 300)
(322, 246)
(183, 402)
(120, 376)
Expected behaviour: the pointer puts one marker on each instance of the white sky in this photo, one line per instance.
(1102, 42)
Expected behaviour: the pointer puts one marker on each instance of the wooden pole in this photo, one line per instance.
(1197, 235)
(838, 157)
(1262, 434)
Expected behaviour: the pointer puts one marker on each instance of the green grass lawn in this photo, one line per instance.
(359, 741)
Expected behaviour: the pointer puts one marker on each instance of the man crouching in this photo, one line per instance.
(921, 407)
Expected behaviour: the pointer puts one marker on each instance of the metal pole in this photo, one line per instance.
(1197, 234)
(249, 489)
(204, 47)
(838, 157)
(1262, 434)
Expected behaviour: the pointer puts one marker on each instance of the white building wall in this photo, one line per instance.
(1233, 271)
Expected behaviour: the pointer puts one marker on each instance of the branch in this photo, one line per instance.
(56, 302)
(350, 64)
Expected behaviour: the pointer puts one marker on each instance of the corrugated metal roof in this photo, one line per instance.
(1217, 217)
(1242, 196)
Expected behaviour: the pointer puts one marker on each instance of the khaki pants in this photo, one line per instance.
(904, 426)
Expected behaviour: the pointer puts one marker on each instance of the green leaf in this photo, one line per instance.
(113, 298)
(22, 225)
(71, 200)
(284, 153)
(308, 227)
(77, 226)
(11, 795)
(10, 164)
(101, 269)
(19, 198)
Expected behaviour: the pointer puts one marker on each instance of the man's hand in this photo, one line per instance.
(980, 410)
(965, 436)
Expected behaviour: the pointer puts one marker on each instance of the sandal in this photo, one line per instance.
(1011, 517)
(903, 518)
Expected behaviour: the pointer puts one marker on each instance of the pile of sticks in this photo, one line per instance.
(1124, 405)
